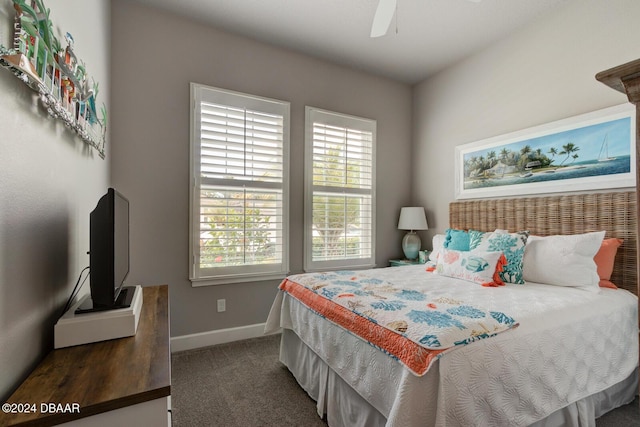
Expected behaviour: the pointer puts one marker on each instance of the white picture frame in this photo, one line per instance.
(502, 166)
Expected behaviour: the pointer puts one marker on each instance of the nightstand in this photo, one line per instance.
(399, 262)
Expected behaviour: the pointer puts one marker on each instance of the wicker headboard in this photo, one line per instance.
(570, 214)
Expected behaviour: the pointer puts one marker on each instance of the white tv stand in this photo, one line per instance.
(83, 328)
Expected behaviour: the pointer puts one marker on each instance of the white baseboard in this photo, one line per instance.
(219, 336)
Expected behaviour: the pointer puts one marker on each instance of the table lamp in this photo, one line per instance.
(412, 218)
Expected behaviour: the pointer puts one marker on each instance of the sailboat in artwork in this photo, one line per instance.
(604, 151)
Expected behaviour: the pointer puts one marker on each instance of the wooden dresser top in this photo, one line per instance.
(102, 376)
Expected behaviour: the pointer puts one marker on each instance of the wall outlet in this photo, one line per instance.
(222, 305)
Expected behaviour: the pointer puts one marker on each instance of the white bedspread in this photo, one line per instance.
(570, 344)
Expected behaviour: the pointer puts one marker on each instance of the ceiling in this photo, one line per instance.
(425, 36)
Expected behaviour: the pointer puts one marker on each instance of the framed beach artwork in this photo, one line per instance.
(593, 151)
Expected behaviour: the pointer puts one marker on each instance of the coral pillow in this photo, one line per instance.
(604, 261)
(478, 267)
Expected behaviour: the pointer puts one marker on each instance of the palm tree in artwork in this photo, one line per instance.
(568, 149)
(553, 151)
(491, 156)
(524, 156)
(525, 151)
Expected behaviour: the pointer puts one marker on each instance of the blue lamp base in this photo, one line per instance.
(411, 244)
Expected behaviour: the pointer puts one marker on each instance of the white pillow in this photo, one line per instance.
(482, 268)
(563, 260)
(438, 244)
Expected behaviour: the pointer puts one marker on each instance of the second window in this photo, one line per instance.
(339, 191)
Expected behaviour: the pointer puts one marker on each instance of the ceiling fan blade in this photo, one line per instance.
(382, 18)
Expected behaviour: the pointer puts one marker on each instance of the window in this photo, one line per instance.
(339, 191)
(239, 194)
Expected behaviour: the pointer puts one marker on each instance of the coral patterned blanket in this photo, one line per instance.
(406, 324)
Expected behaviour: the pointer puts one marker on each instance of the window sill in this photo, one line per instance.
(339, 268)
(232, 279)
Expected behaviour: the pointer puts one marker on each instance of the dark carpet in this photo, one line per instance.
(238, 384)
(243, 384)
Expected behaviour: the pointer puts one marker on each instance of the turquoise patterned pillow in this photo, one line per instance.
(457, 240)
(512, 245)
(476, 238)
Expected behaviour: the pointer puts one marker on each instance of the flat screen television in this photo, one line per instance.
(108, 254)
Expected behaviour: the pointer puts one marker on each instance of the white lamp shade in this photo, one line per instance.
(412, 218)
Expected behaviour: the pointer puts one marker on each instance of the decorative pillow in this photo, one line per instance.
(605, 257)
(438, 244)
(512, 246)
(563, 260)
(478, 267)
(457, 240)
(476, 238)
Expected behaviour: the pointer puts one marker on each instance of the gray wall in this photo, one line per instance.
(154, 57)
(543, 73)
(49, 182)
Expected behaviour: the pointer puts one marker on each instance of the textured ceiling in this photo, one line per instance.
(425, 36)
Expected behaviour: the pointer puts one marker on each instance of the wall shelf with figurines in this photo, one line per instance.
(56, 74)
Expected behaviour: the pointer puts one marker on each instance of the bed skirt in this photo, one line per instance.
(344, 407)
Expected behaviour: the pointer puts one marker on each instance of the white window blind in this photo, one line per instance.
(239, 222)
(339, 191)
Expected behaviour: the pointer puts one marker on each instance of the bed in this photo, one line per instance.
(564, 355)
